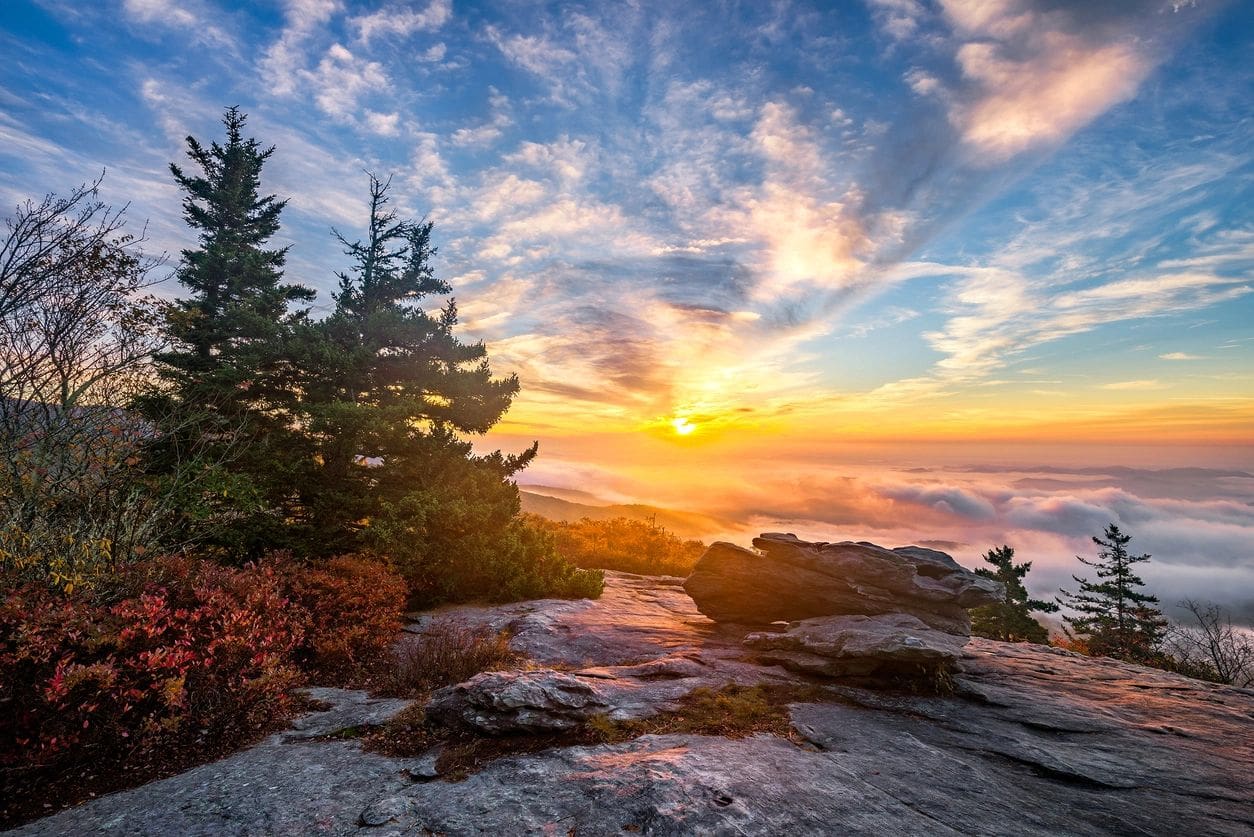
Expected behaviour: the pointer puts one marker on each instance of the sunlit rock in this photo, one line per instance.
(791, 580)
(1029, 741)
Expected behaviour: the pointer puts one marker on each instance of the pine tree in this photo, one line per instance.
(1114, 616)
(389, 395)
(390, 387)
(1011, 619)
(228, 382)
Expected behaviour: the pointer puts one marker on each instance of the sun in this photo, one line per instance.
(683, 426)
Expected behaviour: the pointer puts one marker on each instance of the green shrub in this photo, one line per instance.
(465, 541)
(621, 543)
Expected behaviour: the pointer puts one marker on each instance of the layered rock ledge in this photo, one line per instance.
(1032, 741)
(853, 609)
(790, 580)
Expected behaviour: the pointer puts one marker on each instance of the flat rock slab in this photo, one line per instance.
(1034, 741)
(840, 646)
(638, 618)
(347, 709)
(289, 784)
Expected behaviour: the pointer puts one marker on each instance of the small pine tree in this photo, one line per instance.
(227, 380)
(1114, 616)
(1011, 619)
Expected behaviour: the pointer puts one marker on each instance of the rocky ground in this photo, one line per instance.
(1031, 741)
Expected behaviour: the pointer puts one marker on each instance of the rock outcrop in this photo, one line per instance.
(1032, 741)
(529, 702)
(854, 609)
(860, 646)
(791, 580)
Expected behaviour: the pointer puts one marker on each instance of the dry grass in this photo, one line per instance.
(732, 712)
(443, 654)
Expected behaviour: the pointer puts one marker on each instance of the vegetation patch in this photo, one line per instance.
(633, 546)
(446, 653)
(731, 712)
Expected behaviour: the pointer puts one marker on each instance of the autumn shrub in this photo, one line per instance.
(199, 657)
(633, 546)
(353, 605)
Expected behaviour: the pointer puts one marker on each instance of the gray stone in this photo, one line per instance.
(888, 643)
(425, 767)
(1034, 741)
(348, 709)
(386, 809)
(792, 580)
(510, 702)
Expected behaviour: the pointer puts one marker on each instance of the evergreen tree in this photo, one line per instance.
(228, 382)
(1114, 616)
(390, 392)
(1011, 619)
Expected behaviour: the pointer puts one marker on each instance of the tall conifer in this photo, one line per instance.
(391, 389)
(228, 382)
(1112, 613)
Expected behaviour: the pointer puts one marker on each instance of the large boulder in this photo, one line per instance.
(853, 646)
(510, 702)
(790, 580)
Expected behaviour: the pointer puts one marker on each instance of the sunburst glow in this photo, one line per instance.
(683, 426)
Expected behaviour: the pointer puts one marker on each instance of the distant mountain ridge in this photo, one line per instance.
(684, 524)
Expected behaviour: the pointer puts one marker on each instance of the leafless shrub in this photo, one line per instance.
(77, 337)
(1210, 646)
(445, 653)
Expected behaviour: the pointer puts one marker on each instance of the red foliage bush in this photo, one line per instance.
(180, 660)
(202, 652)
(354, 605)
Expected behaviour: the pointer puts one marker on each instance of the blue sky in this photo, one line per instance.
(895, 202)
(810, 235)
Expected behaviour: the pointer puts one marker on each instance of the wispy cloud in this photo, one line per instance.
(402, 21)
(286, 57)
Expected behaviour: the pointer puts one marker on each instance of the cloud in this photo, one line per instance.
(401, 21)
(179, 14)
(1030, 73)
(1180, 356)
(489, 132)
(944, 498)
(901, 19)
(342, 79)
(536, 54)
(284, 60)
(1039, 100)
(1126, 386)
(566, 158)
(383, 124)
(578, 57)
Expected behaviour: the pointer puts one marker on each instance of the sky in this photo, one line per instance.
(958, 271)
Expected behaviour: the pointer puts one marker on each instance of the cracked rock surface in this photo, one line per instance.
(1033, 741)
